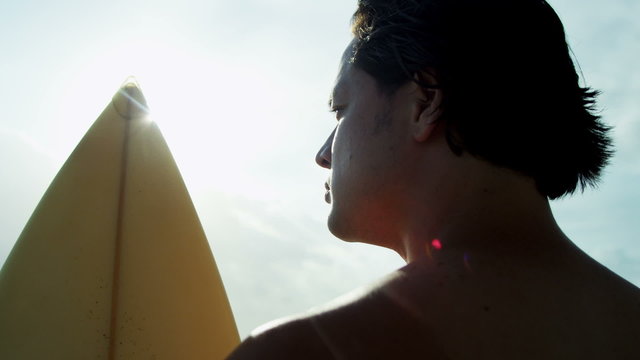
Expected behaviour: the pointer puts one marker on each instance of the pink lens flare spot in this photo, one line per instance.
(436, 244)
(466, 261)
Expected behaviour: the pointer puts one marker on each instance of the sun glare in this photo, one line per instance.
(198, 98)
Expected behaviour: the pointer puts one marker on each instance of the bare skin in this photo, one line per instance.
(438, 309)
(489, 273)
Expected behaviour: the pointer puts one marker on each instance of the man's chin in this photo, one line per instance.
(333, 223)
(339, 227)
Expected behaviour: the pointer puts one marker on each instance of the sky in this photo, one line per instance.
(239, 90)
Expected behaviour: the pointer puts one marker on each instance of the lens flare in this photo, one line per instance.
(436, 244)
(466, 261)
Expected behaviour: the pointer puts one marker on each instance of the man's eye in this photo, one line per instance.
(337, 111)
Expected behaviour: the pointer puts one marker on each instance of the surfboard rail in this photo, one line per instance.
(114, 263)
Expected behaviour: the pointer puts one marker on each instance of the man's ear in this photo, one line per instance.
(429, 105)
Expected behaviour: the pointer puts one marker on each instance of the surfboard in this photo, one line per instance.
(114, 263)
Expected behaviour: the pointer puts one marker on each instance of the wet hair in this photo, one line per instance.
(510, 88)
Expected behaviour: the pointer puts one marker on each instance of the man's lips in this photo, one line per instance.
(327, 195)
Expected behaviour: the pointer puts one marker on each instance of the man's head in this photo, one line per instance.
(439, 100)
(511, 91)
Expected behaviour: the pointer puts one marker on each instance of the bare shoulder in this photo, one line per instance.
(286, 339)
(364, 324)
(440, 311)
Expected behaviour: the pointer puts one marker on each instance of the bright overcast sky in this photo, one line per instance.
(239, 89)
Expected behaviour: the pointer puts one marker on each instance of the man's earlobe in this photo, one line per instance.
(430, 111)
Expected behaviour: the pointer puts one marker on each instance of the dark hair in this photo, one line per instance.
(511, 92)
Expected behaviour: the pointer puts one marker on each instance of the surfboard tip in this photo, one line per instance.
(129, 100)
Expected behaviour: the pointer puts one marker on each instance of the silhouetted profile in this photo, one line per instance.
(458, 121)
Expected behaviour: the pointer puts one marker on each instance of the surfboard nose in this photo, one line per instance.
(114, 263)
(129, 100)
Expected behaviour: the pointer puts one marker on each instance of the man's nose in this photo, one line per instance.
(323, 157)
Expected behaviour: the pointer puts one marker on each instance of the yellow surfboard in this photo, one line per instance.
(113, 263)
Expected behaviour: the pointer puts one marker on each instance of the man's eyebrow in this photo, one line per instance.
(339, 91)
(332, 97)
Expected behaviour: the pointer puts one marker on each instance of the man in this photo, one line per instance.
(458, 120)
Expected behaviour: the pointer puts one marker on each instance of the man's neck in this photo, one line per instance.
(492, 213)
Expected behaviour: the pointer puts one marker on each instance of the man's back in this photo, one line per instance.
(487, 308)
